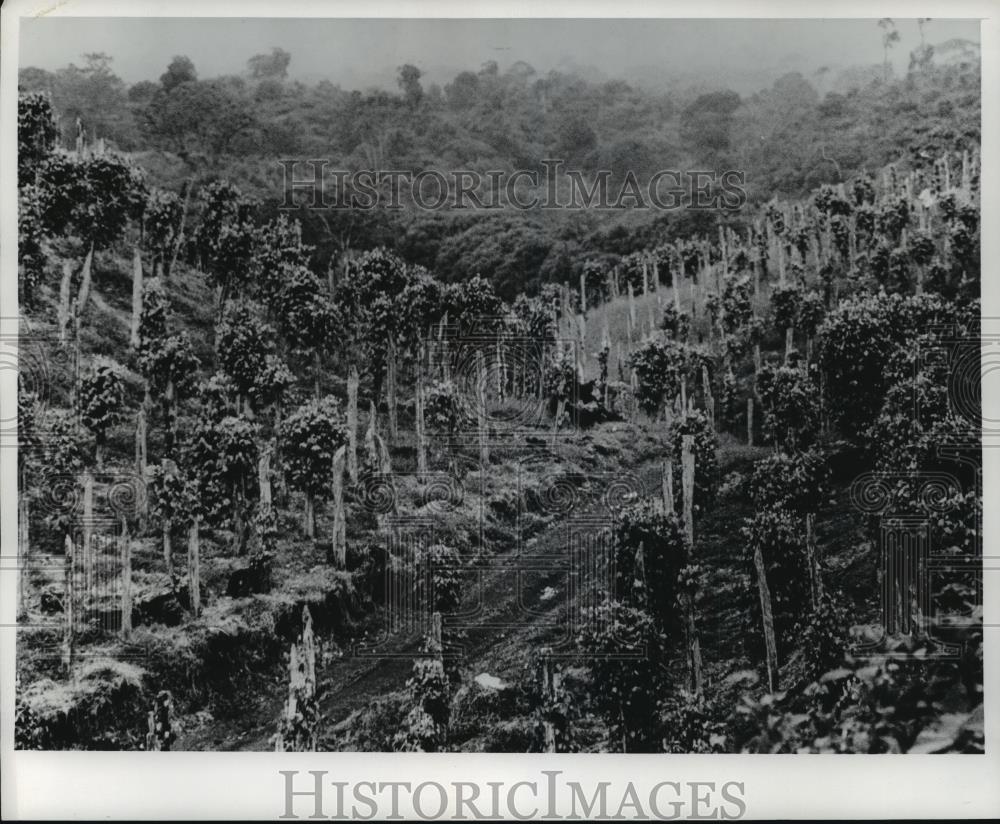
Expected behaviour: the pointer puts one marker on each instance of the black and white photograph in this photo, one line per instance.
(497, 385)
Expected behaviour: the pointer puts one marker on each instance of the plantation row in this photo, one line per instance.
(308, 391)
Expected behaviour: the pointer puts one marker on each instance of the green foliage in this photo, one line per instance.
(653, 585)
(781, 539)
(425, 726)
(243, 341)
(102, 400)
(661, 366)
(737, 304)
(625, 654)
(790, 401)
(170, 363)
(798, 482)
(222, 460)
(93, 198)
(823, 635)
(861, 706)
(171, 494)
(786, 300)
(309, 437)
(444, 410)
(306, 315)
(855, 343)
(162, 221)
(692, 725)
(706, 462)
(36, 134)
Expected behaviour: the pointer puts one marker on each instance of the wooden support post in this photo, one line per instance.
(338, 550)
(63, 312)
(352, 424)
(421, 435)
(125, 555)
(194, 566)
(483, 423)
(390, 389)
(89, 561)
(694, 643)
(631, 307)
(706, 388)
(768, 620)
(812, 556)
(136, 298)
(667, 486)
(69, 603)
(23, 548)
(687, 488)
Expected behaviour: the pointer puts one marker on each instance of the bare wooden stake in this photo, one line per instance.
(85, 281)
(339, 542)
(812, 555)
(64, 301)
(768, 620)
(706, 387)
(483, 424)
(69, 603)
(421, 435)
(136, 298)
(687, 489)
(194, 566)
(125, 553)
(667, 484)
(352, 424)
(88, 532)
(390, 389)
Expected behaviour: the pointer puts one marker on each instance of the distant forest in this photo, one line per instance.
(788, 139)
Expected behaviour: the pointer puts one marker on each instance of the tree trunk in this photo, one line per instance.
(136, 298)
(194, 567)
(126, 587)
(352, 424)
(750, 421)
(789, 342)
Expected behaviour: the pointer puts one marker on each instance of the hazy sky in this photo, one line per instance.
(359, 53)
